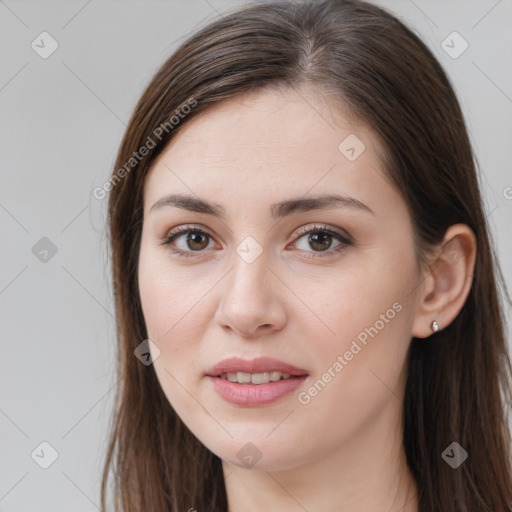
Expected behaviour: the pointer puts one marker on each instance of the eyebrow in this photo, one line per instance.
(278, 210)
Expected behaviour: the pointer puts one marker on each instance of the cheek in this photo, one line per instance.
(173, 313)
(355, 380)
(369, 316)
(364, 293)
(171, 298)
(174, 304)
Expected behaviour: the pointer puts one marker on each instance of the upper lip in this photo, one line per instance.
(258, 365)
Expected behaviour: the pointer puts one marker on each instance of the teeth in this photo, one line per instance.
(243, 378)
(260, 378)
(255, 378)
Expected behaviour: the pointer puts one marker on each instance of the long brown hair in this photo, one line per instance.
(458, 386)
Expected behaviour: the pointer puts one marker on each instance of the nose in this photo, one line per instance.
(251, 304)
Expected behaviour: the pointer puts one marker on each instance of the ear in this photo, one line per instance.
(446, 285)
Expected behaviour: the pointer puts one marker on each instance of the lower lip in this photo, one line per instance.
(255, 394)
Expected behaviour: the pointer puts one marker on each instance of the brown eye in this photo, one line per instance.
(196, 241)
(320, 239)
(186, 240)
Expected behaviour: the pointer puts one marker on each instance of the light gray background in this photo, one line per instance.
(61, 122)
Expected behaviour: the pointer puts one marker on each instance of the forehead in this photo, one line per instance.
(267, 141)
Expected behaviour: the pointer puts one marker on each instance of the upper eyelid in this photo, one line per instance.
(307, 228)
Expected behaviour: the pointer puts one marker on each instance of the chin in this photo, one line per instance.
(261, 455)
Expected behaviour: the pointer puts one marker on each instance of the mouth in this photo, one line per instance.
(255, 382)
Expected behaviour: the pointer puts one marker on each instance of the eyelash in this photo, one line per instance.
(345, 241)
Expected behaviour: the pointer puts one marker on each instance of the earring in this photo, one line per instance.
(434, 326)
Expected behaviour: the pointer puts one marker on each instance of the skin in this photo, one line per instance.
(343, 449)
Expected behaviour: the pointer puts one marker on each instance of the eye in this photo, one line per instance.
(194, 240)
(320, 238)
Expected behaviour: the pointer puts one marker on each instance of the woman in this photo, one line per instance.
(307, 302)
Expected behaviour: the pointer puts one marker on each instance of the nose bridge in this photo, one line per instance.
(249, 297)
(250, 272)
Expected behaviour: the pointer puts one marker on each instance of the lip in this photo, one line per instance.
(258, 365)
(252, 395)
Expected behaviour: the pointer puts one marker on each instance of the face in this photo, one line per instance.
(269, 270)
